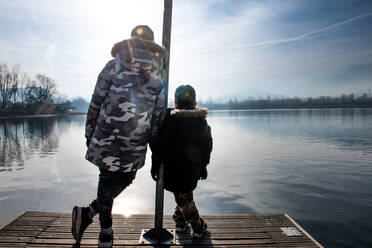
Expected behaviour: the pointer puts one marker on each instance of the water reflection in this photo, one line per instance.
(345, 128)
(11, 152)
(42, 165)
(21, 138)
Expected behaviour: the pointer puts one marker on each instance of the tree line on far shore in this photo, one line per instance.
(343, 101)
(21, 94)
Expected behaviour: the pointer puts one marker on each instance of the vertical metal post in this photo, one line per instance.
(159, 200)
(167, 25)
(159, 235)
(166, 40)
(167, 28)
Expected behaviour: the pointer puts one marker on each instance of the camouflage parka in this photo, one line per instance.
(127, 106)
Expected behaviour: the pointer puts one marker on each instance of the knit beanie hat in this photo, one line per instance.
(143, 32)
(185, 96)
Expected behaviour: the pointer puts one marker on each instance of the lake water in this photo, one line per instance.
(315, 165)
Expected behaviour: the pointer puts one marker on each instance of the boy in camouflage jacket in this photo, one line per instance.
(183, 145)
(126, 110)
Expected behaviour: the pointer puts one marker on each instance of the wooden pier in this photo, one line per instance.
(46, 229)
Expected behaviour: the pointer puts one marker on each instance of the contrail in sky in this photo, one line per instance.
(50, 50)
(264, 44)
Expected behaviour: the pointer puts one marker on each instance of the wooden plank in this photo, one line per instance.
(12, 245)
(28, 233)
(151, 216)
(53, 214)
(169, 218)
(166, 217)
(94, 235)
(214, 230)
(181, 242)
(12, 239)
(29, 223)
(38, 218)
(22, 228)
(213, 221)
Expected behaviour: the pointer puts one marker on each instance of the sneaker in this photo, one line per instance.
(80, 222)
(106, 237)
(199, 234)
(181, 228)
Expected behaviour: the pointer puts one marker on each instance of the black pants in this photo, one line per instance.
(110, 185)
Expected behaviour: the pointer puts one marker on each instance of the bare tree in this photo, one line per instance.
(15, 78)
(46, 88)
(30, 96)
(38, 95)
(5, 85)
(22, 90)
(62, 104)
(41, 90)
(2, 83)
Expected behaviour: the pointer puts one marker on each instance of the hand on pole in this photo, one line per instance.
(155, 174)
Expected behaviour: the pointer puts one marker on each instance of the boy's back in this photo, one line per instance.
(184, 145)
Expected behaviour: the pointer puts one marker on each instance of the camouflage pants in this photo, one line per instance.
(186, 211)
(110, 185)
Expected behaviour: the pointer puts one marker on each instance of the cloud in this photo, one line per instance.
(264, 44)
(50, 51)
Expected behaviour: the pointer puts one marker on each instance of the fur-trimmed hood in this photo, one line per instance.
(202, 112)
(139, 44)
(140, 55)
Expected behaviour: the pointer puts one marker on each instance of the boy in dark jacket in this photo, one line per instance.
(184, 145)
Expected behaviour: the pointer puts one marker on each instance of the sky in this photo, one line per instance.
(224, 48)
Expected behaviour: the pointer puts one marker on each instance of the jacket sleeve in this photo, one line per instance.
(156, 156)
(100, 92)
(158, 114)
(160, 146)
(207, 145)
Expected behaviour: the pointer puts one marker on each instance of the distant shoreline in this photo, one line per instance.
(19, 115)
(288, 108)
(14, 116)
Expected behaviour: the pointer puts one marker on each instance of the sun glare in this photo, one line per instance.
(125, 206)
(116, 18)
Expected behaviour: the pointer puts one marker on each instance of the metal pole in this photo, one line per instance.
(159, 235)
(167, 28)
(167, 24)
(159, 200)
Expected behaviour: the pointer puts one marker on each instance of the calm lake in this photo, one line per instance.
(315, 165)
